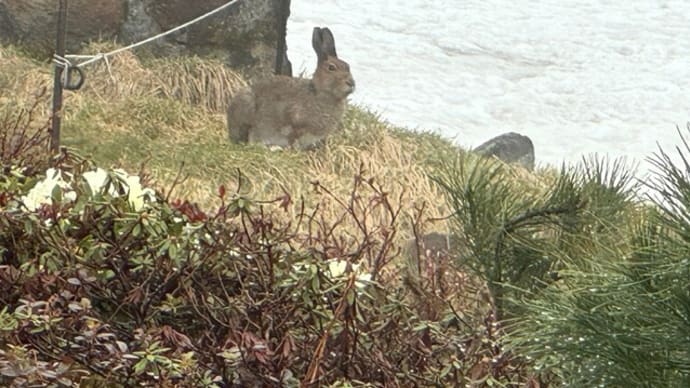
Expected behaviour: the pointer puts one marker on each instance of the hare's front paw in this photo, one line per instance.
(275, 148)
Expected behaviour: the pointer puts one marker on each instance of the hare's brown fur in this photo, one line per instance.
(296, 112)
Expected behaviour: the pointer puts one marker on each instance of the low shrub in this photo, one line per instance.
(103, 280)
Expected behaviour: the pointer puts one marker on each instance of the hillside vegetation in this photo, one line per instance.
(253, 267)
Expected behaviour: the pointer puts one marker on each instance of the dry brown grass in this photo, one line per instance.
(192, 80)
(196, 81)
(169, 113)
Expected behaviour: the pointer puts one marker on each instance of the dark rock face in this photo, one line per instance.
(32, 24)
(248, 35)
(510, 147)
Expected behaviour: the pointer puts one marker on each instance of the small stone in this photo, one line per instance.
(510, 147)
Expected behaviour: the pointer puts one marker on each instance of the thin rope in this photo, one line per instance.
(61, 61)
(94, 58)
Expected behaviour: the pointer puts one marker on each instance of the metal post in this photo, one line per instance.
(283, 65)
(57, 83)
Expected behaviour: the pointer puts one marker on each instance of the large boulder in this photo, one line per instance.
(510, 147)
(248, 35)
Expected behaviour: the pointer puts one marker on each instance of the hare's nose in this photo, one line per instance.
(351, 83)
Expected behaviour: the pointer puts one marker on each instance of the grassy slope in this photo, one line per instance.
(169, 114)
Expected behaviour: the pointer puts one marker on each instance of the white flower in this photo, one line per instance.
(337, 267)
(69, 195)
(363, 280)
(97, 180)
(137, 194)
(42, 193)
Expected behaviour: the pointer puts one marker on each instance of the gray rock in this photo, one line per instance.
(32, 24)
(138, 24)
(510, 147)
(432, 248)
(433, 244)
(249, 35)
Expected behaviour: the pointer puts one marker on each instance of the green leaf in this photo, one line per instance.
(350, 297)
(56, 194)
(140, 367)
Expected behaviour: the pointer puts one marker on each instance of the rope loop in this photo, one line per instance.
(72, 76)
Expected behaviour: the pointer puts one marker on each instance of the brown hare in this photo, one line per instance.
(294, 112)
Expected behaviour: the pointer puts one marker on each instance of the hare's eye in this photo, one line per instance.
(332, 67)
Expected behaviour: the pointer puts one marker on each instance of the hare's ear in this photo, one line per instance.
(328, 42)
(323, 42)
